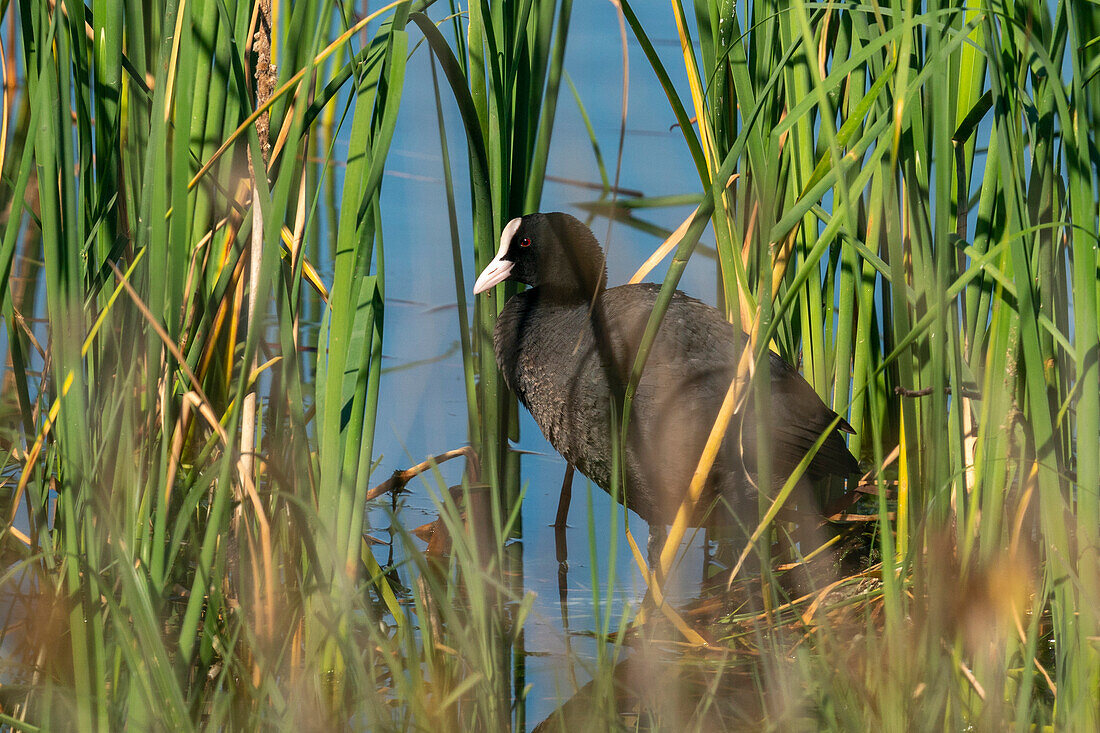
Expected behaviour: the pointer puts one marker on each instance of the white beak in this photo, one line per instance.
(499, 269)
(496, 273)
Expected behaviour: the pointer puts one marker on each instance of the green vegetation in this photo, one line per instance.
(903, 201)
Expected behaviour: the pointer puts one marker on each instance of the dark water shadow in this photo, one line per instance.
(655, 690)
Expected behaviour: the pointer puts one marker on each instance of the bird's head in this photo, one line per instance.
(554, 252)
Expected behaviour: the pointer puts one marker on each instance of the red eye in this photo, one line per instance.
(525, 242)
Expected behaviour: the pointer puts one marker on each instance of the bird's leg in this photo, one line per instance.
(564, 498)
(562, 548)
(561, 544)
(658, 533)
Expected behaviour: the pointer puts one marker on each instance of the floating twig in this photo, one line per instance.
(400, 478)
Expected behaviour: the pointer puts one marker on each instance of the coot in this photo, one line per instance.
(566, 345)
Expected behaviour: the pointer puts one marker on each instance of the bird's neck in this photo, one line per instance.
(587, 290)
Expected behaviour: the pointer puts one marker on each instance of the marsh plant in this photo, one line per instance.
(902, 200)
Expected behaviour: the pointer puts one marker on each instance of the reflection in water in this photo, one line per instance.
(657, 690)
(753, 626)
(642, 675)
(483, 598)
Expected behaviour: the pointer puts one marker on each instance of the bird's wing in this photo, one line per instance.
(694, 359)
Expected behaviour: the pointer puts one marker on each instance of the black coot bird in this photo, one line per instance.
(566, 346)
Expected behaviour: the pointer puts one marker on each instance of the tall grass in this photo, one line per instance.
(190, 555)
(192, 475)
(504, 72)
(903, 201)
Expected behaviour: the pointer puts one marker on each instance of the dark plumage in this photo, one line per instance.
(566, 345)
